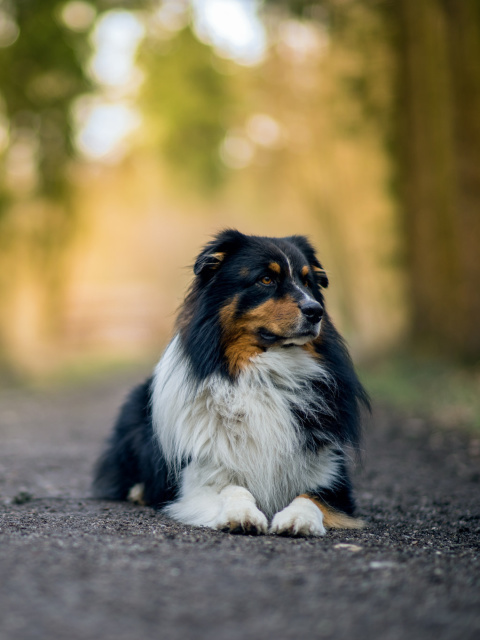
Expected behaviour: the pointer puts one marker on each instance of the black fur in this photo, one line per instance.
(132, 455)
(340, 496)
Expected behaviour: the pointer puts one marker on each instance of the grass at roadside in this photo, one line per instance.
(432, 389)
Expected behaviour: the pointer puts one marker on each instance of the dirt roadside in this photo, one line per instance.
(76, 568)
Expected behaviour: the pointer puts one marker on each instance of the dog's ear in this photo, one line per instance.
(215, 252)
(302, 243)
(208, 262)
(320, 275)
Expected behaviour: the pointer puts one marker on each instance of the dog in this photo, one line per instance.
(247, 422)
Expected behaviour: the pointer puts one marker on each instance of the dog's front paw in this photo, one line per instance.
(252, 524)
(301, 518)
(239, 513)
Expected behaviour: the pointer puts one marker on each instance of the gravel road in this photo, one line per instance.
(75, 568)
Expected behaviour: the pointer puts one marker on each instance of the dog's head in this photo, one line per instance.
(251, 293)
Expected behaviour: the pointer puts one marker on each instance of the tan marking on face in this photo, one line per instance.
(239, 346)
(274, 266)
(333, 519)
(278, 316)
(305, 271)
(239, 335)
(244, 272)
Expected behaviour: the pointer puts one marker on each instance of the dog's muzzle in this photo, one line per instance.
(312, 311)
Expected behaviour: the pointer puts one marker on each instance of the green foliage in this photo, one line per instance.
(40, 74)
(186, 104)
(184, 99)
(42, 71)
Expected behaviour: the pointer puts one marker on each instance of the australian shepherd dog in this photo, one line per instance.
(247, 422)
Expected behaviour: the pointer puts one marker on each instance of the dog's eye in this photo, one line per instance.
(266, 280)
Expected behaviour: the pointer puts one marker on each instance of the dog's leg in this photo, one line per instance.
(217, 505)
(301, 518)
(307, 515)
(239, 513)
(232, 509)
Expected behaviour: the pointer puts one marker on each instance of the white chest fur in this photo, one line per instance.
(244, 432)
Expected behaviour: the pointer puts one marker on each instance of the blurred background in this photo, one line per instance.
(130, 132)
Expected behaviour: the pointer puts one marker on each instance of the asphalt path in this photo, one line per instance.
(76, 568)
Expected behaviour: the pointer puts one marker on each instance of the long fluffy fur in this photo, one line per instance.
(251, 406)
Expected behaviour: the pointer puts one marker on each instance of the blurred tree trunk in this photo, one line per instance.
(439, 107)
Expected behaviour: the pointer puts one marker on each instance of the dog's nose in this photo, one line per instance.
(313, 311)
